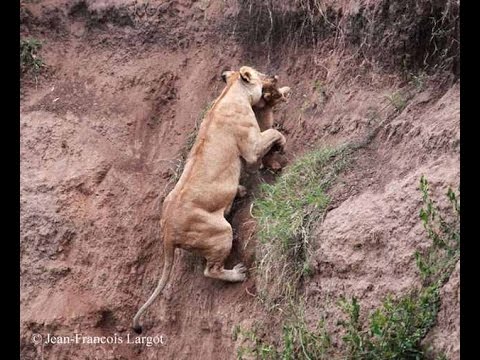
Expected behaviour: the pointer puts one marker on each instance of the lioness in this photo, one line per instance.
(193, 213)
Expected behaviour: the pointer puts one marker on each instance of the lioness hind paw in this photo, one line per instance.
(240, 268)
(241, 191)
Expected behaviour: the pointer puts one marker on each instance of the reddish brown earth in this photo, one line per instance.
(103, 131)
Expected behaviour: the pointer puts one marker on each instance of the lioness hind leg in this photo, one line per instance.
(216, 253)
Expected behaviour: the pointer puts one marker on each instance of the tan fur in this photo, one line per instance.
(193, 216)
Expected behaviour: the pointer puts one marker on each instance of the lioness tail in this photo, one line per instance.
(167, 267)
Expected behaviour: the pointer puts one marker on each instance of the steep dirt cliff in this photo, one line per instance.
(104, 128)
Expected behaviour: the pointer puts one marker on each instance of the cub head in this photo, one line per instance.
(249, 78)
(273, 95)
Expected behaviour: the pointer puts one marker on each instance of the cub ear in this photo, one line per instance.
(226, 74)
(246, 73)
(285, 91)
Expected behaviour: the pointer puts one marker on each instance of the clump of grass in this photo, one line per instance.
(255, 348)
(298, 341)
(305, 105)
(373, 115)
(398, 101)
(418, 80)
(286, 213)
(29, 58)
(319, 87)
(321, 90)
(431, 34)
(395, 329)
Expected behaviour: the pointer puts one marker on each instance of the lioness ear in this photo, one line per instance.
(246, 73)
(226, 74)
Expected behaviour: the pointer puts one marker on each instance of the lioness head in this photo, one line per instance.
(251, 79)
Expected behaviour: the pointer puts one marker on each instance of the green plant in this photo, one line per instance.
(29, 58)
(398, 101)
(236, 330)
(321, 90)
(307, 270)
(286, 214)
(441, 356)
(398, 326)
(418, 80)
(353, 338)
(305, 105)
(373, 115)
(395, 329)
(319, 87)
(438, 261)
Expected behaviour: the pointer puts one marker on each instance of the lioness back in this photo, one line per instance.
(212, 170)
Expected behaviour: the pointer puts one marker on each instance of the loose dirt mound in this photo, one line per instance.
(103, 130)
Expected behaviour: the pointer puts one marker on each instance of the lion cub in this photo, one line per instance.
(271, 96)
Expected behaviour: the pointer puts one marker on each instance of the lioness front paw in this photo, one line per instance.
(282, 141)
(274, 161)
